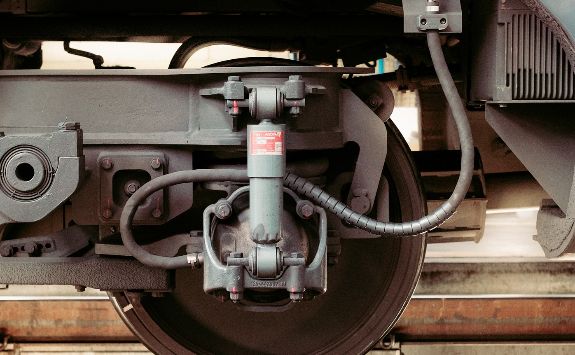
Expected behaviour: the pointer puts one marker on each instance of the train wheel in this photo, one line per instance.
(367, 291)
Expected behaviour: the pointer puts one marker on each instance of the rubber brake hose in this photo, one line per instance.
(161, 182)
(447, 209)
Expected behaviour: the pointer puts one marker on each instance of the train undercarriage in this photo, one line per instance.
(264, 205)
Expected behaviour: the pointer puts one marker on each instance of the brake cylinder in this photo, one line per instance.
(266, 169)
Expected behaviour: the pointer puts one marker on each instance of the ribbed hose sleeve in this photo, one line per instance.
(447, 209)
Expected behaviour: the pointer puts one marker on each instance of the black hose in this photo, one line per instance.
(180, 177)
(193, 44)
(447, 209)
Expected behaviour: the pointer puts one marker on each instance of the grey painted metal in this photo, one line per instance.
(366, 179)
(39, 173)
(532, 61)
(91, 271)
(266, 267)
(63, 243)
(544, 142)
(110, 166)
(555, 229)
(161, 107)
(560, 16)
(416, 18)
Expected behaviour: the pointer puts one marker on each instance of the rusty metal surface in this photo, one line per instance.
(425, 319)
(488, 319)
(56, 321)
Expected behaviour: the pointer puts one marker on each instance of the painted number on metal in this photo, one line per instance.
(266, 143)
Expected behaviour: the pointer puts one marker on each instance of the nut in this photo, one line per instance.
(107, 213)
(106, 164)
(156, 163)
(223, 209)
(131, 187)
(6, 251)
(296, 296)
(157, 213)
(304, 209)
(235, 296)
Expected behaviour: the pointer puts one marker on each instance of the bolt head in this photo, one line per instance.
(305, 209)
(223, 209)
(6, 251)
(106, 164)
(443, 21)
(69, 126)
(107, 213)
(30, 248)
(296, 296)
(131, 187)
(157, 213)
(156, 163)
(423, 22)
(235, 296)
(360, 204)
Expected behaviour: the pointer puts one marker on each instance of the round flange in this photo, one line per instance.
(26, 173)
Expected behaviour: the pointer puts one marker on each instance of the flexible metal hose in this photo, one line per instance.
(447, 209)
(179, 177)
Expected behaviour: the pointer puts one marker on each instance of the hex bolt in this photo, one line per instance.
(157, 213)
(223, 209)
(6, 251)
(443, 21)
(106, 164)
(296, 296)
(304, 209)
(423, 22)
(107, 213)
(69, 126)
(235, 296)
(31, 248)
(131, 186)
(374, 101)
(156, 163)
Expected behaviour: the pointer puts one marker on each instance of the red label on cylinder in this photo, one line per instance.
(266, 143)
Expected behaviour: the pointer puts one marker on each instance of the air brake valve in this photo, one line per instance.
(267, 258)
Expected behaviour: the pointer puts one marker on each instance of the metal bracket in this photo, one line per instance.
(238, 96)
(240, 271)
(417, 17)
(388, 346)
(119, 170)
(39, 172)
